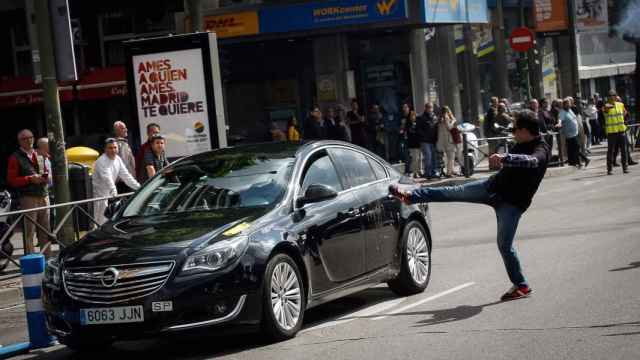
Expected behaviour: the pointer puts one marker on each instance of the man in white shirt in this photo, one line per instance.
(108, 169)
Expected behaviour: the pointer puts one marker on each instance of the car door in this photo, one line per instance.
(370, 192)
(331, 229)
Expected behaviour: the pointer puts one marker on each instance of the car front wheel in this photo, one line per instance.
(284, 299)
(415, 269)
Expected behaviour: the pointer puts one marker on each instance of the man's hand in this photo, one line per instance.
(495, 161)
(38, 179)
(404, 196)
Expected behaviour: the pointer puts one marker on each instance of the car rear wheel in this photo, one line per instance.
(284, 299)
(415, 269)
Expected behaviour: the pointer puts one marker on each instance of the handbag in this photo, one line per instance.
(455, 134)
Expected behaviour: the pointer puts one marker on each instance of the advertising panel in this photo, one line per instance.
(591, 16)
(551, 15)
(456, 11)
(175, 82)
(307, 16)
(232, 25)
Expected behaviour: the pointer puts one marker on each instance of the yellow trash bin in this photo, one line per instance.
(82, 155)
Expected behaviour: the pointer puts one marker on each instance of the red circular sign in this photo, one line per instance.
(521, 39)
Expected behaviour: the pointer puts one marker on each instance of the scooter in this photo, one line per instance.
(471, 157)
(505, 131)
(7, 247)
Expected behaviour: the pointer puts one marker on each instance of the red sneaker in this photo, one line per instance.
(517, 292)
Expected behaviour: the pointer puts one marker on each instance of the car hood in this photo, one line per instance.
(155, 238)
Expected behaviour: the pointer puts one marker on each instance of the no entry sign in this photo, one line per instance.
(521, 39)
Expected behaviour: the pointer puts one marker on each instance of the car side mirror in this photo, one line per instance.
(316, 193)
(113, 208)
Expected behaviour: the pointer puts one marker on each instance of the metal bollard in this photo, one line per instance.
(32, 273)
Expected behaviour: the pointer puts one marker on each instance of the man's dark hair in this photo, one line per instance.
(150, 125)
(156, 137)
(527, 119)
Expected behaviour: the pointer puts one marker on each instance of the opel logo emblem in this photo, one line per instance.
(109, 277)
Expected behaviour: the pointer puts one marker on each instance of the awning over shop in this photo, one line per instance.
(590, 72)
(24, 92)
(102, 83)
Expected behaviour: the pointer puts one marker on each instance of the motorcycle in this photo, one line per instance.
(7, 247)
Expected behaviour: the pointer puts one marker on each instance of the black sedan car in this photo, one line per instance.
(250, 236)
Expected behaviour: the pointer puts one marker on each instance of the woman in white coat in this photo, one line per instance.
(446, 143)
(107, 170)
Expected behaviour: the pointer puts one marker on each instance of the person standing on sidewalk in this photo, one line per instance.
(152, 129)
(615, 129)
(569, 126)
(446, 142)
(30, 177)
(121, 134)
(155, 158)
(107, 170)
(414, 139)
(509, 192)
(428, 128)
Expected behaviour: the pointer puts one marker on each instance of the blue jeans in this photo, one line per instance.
(429, 157)
(507, 216)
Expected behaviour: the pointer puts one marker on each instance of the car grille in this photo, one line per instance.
(116, 283)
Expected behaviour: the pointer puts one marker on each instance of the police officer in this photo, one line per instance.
(614, 113)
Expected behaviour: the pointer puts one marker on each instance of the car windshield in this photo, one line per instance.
(218, 182)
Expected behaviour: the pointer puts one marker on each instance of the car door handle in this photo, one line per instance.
(351, 213)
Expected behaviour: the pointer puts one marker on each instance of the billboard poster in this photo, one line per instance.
(455, 11)
(551, 15)
(170, 92)
(591, 16)
(330, 13)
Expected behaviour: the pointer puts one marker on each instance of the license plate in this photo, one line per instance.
(112, 315)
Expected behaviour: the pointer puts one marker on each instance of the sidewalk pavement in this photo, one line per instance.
(11, 282)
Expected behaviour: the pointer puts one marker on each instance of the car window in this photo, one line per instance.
(355, 166)
(378, 169)
(321, 172)
(221, 182)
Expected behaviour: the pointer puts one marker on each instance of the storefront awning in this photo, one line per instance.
(24, 92)
(102, 83)
(590, 72)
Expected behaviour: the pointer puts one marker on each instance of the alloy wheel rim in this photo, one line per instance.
(418, 256)
(285, 296)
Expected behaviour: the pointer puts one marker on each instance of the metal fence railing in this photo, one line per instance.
(72, 211)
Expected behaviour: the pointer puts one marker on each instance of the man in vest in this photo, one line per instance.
(614, 113)
(29, 175)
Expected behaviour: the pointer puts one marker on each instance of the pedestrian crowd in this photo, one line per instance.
(118, 170)
(429, 144)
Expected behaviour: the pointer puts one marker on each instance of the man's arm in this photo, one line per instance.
(13, 174)
(533, 161)
(125, 176)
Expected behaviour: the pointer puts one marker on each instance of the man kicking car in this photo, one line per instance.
(509, 192)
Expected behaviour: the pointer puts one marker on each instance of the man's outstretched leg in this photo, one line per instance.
(473, 192)
(508, 217)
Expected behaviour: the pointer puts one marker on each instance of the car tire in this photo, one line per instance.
(86, 345)
(415, 268)
(283, 295)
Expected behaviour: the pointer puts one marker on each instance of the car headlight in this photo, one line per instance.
(52, 271)
(218, 255)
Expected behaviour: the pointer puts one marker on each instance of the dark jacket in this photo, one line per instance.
(313, 130)
(20, 168)
(413, 135)
(523, 170)
(489, 120)
(428, 128)
(331, 131)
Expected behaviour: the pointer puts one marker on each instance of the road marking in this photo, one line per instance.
(430, 298)
(368, 311)
(12, 307)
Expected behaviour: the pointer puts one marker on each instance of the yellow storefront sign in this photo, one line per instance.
(233, 25)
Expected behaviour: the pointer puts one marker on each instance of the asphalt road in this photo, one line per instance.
(580, 248)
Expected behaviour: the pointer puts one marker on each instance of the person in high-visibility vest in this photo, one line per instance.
(615, 128)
